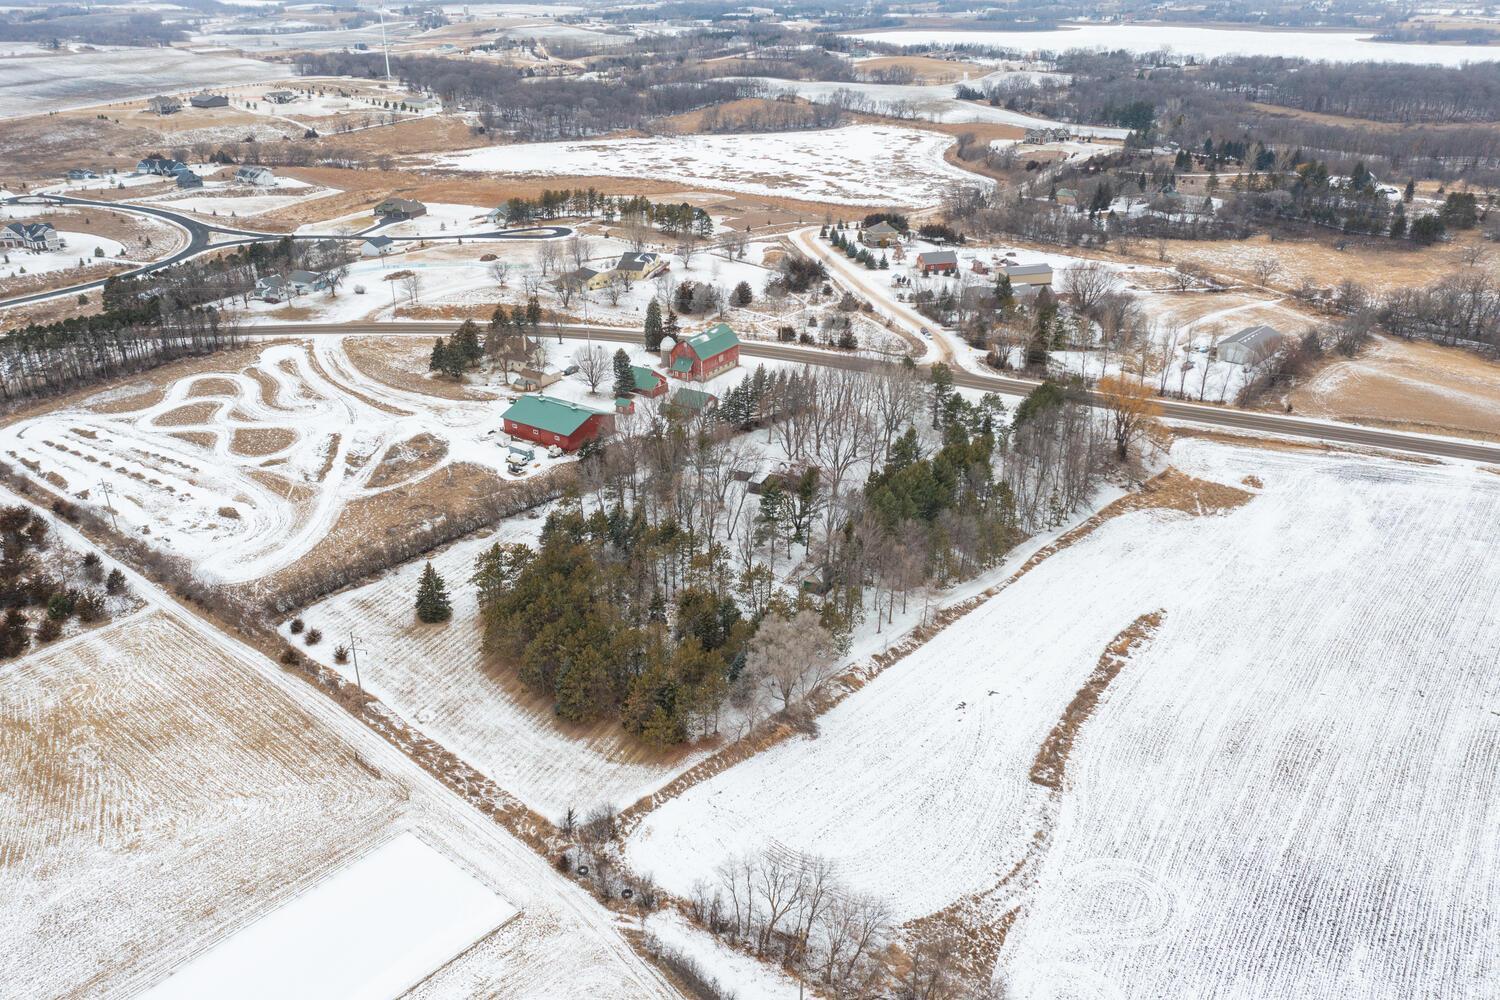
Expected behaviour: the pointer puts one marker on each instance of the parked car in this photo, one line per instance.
(571, 370)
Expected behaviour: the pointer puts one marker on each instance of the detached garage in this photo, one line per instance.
(549, 421)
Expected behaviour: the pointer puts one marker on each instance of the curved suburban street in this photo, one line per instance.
(201, 238)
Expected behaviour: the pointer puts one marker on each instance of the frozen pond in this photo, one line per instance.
(1331, 46)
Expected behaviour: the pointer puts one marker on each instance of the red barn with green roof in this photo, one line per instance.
(710, 353)
(549, 421)
(647, 382)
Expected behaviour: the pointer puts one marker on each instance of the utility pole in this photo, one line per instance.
(354, 651)
(104, 488)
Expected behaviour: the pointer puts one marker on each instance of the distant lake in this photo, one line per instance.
(1330, 46)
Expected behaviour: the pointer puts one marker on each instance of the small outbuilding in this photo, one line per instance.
(1029, 274)
(550, 421)
(937, 262)
(376, 246)
(1249, 346)
(647, 382)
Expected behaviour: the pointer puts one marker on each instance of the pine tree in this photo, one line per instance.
(624, 377)
(654, 331)
(742, 294)
(465, 344)
(433, 605)
(439, 356)
(672, 327)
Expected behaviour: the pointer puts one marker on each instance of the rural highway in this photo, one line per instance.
(1214, 416)
(201, 238)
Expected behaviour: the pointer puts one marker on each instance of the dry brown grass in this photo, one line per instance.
(401, 362)
(927, 68)
(408, 459)
(203, 439)
(187, 415)
(1050, 765)
(212, 387)
(254, 442)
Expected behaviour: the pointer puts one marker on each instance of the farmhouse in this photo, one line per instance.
(258, 176)
(583, 277)
(938, 262)
(30, 236)
(376, 246)
(700, 358)
(1249, 346)
(396, 209)
(648, 383)
(281, 96)
(549, 421)
(882, 234)
(209, 101)
(1035, 275)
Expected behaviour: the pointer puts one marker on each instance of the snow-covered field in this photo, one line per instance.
(168, 790)
(369, 931)
(856, 164)
(1289, 791)
(1184, 40)
(246, 471)
(34, 84)
(934, 102)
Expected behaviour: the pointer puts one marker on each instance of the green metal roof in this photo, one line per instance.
(682, 363)
(691, 399)
(645, 379)
(715, 340)
(549, 414)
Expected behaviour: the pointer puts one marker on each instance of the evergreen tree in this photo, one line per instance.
(1411, 190)
(437, 361)
(465, 344)
(14, 636)
(624, 377)
(1005, 295)
(433, 605)
(672, 327)
(654, 331)
(742, 294)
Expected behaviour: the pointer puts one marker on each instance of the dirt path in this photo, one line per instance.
(906, 321)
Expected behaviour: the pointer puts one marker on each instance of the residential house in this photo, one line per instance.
(82, 174)
(687, 402)
(424, 104)
(980, 267)
(1249, 346)
(396, 209)
(583, 277)
(281, 96)
(186, 179)
(648, 383)
(256, 176)
(275, 288)
(30, 236)
(1030, 275)
(162, 166)
(937, 262)
(882, 234)
(209, 101)
(377, 246)
(163, 105)
(701, 357)
(638, 266)
(549, 421)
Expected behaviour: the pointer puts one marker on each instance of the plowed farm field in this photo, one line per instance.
(1252, 752)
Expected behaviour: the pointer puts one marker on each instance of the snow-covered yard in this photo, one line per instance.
(1292, 783)
(81, 250)
(856, 164)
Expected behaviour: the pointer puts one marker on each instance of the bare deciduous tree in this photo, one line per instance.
(792, 658)
(594, 365)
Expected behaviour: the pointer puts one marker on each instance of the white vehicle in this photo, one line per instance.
(554, 452)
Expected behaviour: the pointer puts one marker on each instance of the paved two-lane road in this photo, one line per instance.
(1198, 413)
